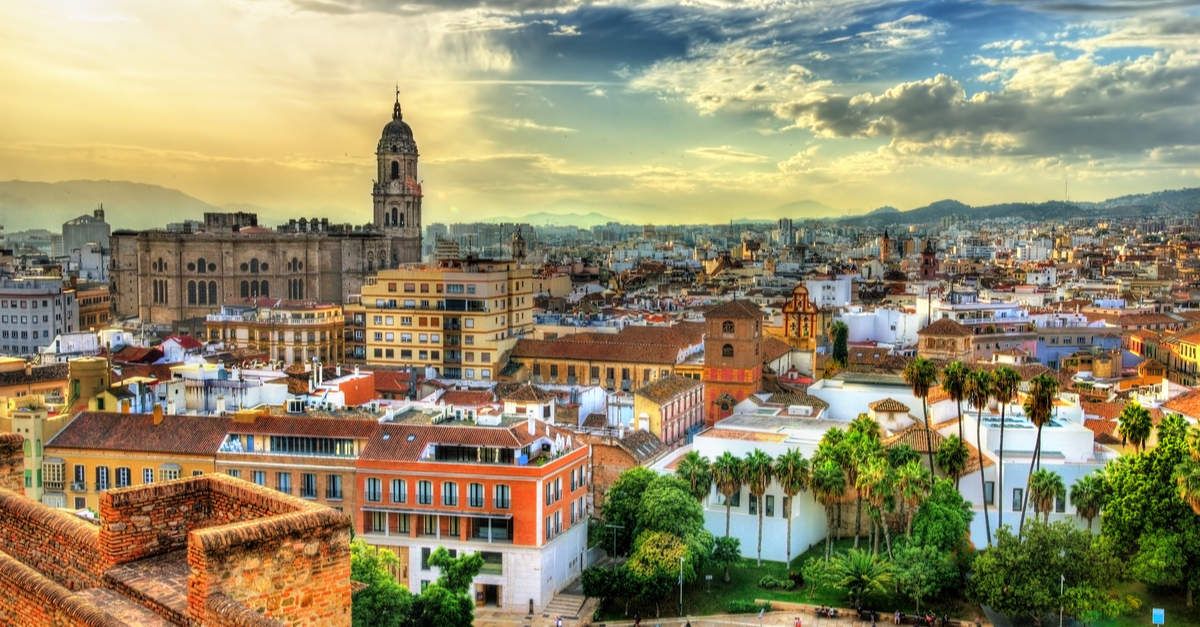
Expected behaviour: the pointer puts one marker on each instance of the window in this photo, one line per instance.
(260, 477)
(283, 482)
(454, 526)
(80, 473)
(308, 485)
(989, 491)
(770, 505)
(1060, 505)
(399, 491)
(727, 350)
(449, 493)
(147, 476)
(374, 492)
(168, 472)
(235, 473)
(787, 507)
(500, 497)
(475, 495)
(1018, 496)
(102, 478)
(430, 525)
(425, 492)
(753, 501)
(727, 326)
(333, 487)
(425, 560)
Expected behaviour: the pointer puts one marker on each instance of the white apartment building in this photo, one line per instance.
(34, 311)
(831, 292)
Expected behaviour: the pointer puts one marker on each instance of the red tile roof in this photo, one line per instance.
(406, 442)
(667, 388)
(189, 435)
(743, 309)
(467, 398)
(945, 327)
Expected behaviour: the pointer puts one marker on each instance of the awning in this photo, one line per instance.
(436, 512)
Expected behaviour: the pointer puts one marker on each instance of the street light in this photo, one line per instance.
(1062, 581)
(614, 553)
(681, 586)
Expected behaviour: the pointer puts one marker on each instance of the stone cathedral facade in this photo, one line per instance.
(163, 275)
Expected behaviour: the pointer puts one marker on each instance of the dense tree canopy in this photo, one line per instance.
(384, 603)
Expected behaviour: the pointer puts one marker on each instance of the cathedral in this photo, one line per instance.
(164, 275)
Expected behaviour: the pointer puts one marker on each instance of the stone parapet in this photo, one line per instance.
(30, 599)
(60, 545)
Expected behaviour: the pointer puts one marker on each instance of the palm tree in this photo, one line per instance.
(861, 573)
(1173, 426)
(828, 488)
(900, 454)
(954, 382)
(794, 474)
(865, 425)
(1044, 487)
(876, 482)
(729, 474)
(1135, 425)
(1088, 495)
(760, 469)
(1187, 477)
(913, 482)
(696, 471)
(1039, 406)
(979, 391)
(952, 457)
(857, 450)
(1005, 383)
(920, 374)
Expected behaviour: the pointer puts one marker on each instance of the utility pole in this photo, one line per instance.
(681, 587)
(614, 553)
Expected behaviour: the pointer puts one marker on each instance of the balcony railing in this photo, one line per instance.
(53, 485)
(100, 487)
(333, 495)
(79, 486)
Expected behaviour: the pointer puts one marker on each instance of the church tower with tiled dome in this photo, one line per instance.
(397, 189)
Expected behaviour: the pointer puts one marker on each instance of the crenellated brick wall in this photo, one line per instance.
(32, 600)
(61, 546)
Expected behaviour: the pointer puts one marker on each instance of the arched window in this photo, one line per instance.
(202, 297)
(401, 220)
(727, 350)
(394, 214)
(191, 292)
(265, 289)
(245, 289)
(395, 170)
(387, 219)
(212, 292)
(727, 326)
(201, 266)
(254, 266)
(165, 296)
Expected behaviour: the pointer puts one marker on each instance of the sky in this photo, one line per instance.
(649, 111)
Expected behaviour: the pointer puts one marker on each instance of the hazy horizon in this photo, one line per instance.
(714, 111)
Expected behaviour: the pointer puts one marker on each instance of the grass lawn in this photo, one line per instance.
(703, 597)
(1173, 601)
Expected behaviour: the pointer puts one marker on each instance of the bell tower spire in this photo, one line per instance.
(396, 109)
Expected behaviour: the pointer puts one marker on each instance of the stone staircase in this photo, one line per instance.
(565, 604)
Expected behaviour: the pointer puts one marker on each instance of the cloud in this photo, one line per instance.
(415, 7)
(727, 153)
(904, 33)
(597, 92)
(566, 31)
(528, 125)
(799, 162)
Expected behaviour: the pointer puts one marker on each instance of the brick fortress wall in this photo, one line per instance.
(257, 558)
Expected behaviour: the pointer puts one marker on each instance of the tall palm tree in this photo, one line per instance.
(1005, 383)
(1039, 407)
(900, 454)
(1173, 426)
(1134, 425)
(921, 374)
(729, 474)
(857, 450)
(760, 469)
(1088, 495)
(1044, 487)
(1187, 473)
(794, 474)
(876, 482)
(828, 488)
(979, 392)
(865, 425)
(952, 457)
(913, 483)
(696, 471)
(954, 382)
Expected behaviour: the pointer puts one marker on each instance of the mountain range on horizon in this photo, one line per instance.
(31, 205)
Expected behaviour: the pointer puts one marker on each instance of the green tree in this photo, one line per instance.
(668, 506)
(615, 583)
(384, 603)
(760, 469)
(1021, 578)
(876, 483)
(861, 574)
(695, 470)
(447, 602)
(817, 574)
(729, 475)
(954, 382)
(1045, 487)
(979, 388)
(656, 563)
(1173, 426)
(913, 483)
(1134, 425)
(952, 458)
(1006, 381)
(1087, 496)
(841, 349)
(828, 488)
(727, 551)
(944, 519)
(622, 505)
(921, 374)
(1039, 407)
(794, 474)
(921, 570)
(901, 454)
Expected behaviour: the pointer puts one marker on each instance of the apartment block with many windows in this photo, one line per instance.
(515, 491)
(288, 331)
(458, 316)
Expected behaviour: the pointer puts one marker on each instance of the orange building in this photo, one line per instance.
(516, 491)
(732, 357)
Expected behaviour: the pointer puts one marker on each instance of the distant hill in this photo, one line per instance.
(545, 218)
(802, 209)
(28, 205)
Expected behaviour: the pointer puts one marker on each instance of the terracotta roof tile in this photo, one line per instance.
(743, 309)
(914, 436)
(667, 388)
(192, 435)
(888, 405)
(38, 374)
(1105, 430)
(946, 327)
(467, 398)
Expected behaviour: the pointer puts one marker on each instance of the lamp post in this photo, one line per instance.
(1062, 581)
(614, 553)
(681, 586)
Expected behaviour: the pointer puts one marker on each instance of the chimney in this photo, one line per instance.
(221, 405)
(531, 425)
(339, 371)
(29, 368)
(158, 414)
(356, 371)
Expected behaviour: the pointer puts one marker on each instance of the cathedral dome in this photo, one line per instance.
(397, 135)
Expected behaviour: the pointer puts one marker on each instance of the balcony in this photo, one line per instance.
(333, 495)
(54, 485)
(79, 486)
(100, 487)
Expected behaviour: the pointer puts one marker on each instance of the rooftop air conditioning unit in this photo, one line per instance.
(799, 410)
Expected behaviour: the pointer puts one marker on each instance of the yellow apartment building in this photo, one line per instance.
(288, 330)
(457, 316)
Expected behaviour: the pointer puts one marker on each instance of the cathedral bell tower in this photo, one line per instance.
(397, 190)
